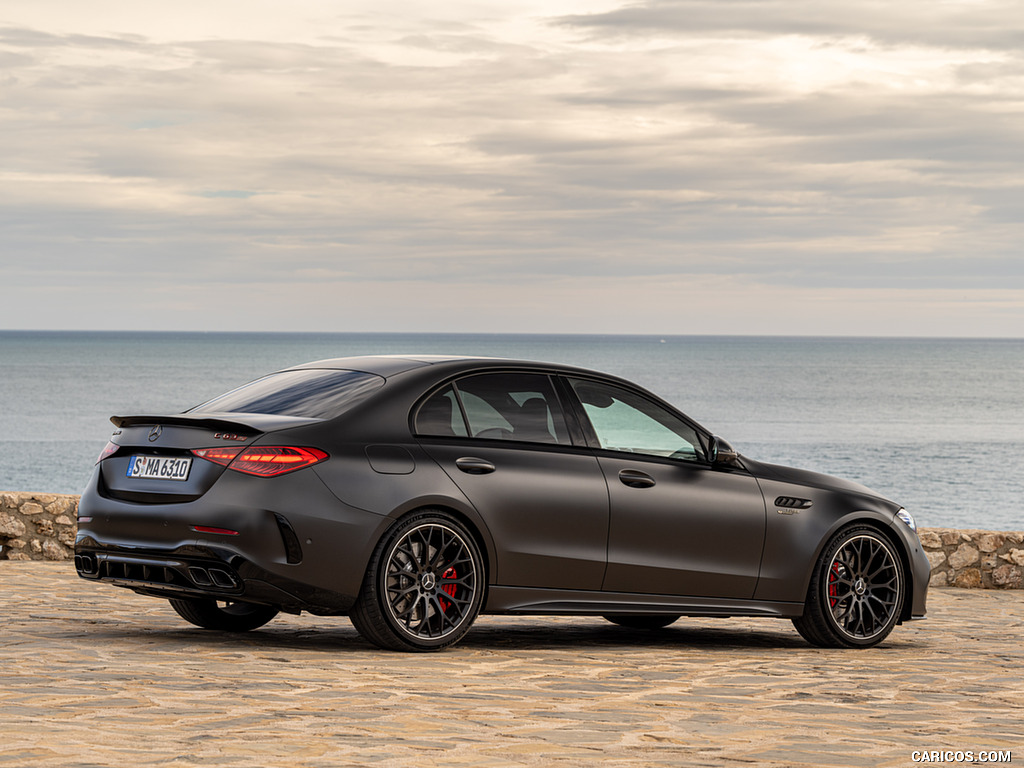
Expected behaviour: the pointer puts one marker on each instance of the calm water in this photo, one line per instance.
(936, 424)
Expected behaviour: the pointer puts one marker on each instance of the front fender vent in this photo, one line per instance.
(791, 502)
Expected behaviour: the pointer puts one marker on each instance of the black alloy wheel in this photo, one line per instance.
(225, 616)
(424, 586)
(651, 621)
(857, 591)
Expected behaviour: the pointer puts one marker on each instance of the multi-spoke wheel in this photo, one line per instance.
(226, 616)
(649, 621)
(857, 591)
(424, 586)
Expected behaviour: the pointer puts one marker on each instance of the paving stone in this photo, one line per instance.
(95, 676)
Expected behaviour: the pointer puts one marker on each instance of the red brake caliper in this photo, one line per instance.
(833, 585)
(447, 588)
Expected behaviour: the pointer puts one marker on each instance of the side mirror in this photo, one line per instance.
(720, 452)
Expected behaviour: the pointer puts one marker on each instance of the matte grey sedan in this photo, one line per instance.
(413, 493)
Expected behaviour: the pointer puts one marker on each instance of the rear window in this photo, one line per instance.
(309, 393)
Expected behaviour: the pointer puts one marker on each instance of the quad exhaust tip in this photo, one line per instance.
(212, 577)
(85, 564)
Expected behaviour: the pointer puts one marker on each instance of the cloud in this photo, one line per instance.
(875, 148)
(950, 25)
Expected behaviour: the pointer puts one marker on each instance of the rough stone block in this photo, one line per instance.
(930, 539)
(64, 520)
(949, 538)
(964, 555)
(35, 545)
(940, 579)
(969, 578)
(18, 556)
(935, 559)
(1007, 576)
(11, 526)
(989, 542)
(54, 551)
(59, 506)
(1015, 556)
(44, 527)
(66, 536)
(31, 508)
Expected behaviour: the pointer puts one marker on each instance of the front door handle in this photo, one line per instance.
(473, 466)
(634, 478)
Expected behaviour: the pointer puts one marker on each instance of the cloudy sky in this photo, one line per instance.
(670, 166)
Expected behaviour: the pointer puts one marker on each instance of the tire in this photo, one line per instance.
(856, 593)
(424, 586)
(650, 621)
(223, 616)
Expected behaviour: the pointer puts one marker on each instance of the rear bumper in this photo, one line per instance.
(290, 544)
(205, 575)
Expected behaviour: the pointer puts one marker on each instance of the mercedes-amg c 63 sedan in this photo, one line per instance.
(412, 493)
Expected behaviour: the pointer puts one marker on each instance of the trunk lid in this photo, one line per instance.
(154, 462)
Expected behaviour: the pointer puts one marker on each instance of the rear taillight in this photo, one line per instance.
(263, 460)
(222, 456)
(108, 450)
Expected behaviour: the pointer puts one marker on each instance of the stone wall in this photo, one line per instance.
(41, 526)
(988, 559)
(37, 526)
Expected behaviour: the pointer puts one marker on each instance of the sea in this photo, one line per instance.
(934, 424)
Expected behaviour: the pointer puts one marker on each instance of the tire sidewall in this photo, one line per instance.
(821, 585)
(428, 519)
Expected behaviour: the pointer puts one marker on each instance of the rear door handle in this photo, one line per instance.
(473, 466)
(634, 478)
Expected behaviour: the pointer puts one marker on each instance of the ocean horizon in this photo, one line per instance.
(936, 424)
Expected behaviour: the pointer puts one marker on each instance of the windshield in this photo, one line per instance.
(308, 393)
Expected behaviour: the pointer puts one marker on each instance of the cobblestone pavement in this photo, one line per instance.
(92, 675)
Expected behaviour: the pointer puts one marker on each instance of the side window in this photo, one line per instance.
(627, 422)
(513, 406)
(440, 416)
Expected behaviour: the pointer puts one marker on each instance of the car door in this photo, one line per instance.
(678, 525)
(503, 439)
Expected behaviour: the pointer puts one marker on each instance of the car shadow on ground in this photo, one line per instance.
(493, 635)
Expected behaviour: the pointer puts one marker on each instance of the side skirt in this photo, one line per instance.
(530, 600)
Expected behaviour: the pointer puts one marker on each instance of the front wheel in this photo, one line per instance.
(224, 616)
(856, 593)
(424, 585)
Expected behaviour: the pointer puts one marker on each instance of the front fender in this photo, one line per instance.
(795, 538)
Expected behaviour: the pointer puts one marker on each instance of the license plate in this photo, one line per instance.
(159, 467)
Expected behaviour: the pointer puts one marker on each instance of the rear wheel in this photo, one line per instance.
(653, 621)
(424, 586)
(225, 616)
(856, 593)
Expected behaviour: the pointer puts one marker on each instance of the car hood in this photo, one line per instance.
(806, 477)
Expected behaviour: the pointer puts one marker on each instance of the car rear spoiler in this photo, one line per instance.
(232, 422)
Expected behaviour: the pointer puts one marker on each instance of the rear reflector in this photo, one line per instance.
(209, 529)
(263, 460)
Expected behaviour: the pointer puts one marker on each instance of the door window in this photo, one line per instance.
(624, 421)
(498, 406)
(513, 406)
(440, 415)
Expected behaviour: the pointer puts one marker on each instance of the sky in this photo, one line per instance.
(666, 167)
